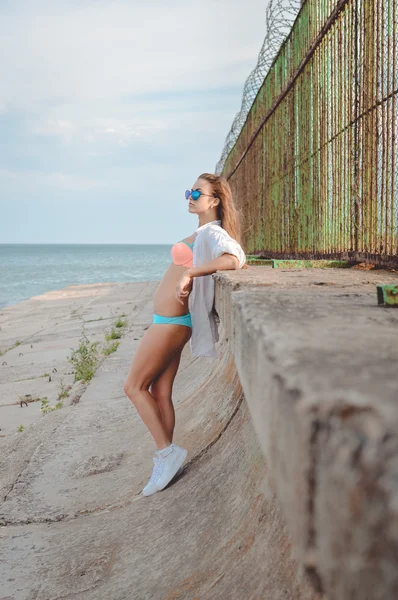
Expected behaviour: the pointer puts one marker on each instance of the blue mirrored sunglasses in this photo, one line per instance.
(195, 194)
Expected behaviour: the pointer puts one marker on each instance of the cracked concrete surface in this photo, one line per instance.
(317, 359)
(314, 393)
(73, 521)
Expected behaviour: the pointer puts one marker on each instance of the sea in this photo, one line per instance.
(28, 270)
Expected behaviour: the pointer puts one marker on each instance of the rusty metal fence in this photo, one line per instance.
(315, 167)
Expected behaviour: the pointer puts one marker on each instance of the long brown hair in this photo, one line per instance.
(227, 212)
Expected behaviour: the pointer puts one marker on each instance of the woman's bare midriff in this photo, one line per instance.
(165, 302)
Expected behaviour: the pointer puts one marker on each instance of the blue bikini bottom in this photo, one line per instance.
(179, 320)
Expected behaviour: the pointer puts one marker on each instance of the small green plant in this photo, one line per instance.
(120, 323)
(84, 359)
(45, 406)
(111, 348)
(64, 392)
(18, 343)
(21, 428)
(113, 335)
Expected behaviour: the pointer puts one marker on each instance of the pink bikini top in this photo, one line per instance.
(182, 254)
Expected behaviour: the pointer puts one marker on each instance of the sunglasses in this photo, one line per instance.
(196, 194)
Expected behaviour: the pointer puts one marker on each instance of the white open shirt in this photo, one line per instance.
(211, 241)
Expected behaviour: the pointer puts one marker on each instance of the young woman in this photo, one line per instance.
(183, 310)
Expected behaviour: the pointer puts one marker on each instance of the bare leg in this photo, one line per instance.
(153, 355)
(149, 412)
(161, 390)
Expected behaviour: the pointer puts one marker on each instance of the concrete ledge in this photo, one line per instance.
(317, 359)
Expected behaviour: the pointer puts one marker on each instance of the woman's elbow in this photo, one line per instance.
(234, 260)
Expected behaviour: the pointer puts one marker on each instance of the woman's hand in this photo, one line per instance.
(184, 287)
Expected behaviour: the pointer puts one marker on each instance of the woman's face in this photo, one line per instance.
(205, 202)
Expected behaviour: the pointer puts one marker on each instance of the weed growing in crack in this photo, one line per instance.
(110, 348)
(45, 406)
(64, 393)
(84, 359)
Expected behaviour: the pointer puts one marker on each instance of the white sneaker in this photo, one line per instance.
(150, 487)
(170, 465)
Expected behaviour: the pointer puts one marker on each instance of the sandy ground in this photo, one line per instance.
(47, 328)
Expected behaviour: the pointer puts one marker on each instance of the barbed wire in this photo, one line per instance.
(279, 18)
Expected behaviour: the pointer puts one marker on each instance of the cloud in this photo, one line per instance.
(98, 129)
(113, 101)
(94, 50)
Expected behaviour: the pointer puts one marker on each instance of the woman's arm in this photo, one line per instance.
(221, 263)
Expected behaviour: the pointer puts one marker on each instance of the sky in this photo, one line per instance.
(110, 110)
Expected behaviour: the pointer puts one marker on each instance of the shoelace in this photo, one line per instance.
(158, 464)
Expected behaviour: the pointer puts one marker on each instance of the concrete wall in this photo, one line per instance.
(317, 359)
